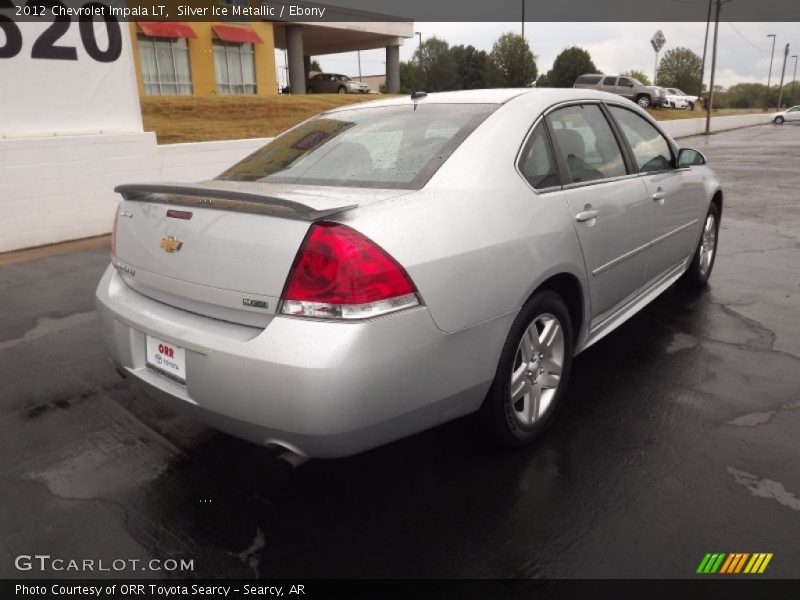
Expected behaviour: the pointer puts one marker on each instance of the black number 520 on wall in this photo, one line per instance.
(45, 45)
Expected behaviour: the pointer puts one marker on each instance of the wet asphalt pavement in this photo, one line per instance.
(681, 436)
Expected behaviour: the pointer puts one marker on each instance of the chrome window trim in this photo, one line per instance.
(673, 146)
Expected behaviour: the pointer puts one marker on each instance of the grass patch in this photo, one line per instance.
(177, 119)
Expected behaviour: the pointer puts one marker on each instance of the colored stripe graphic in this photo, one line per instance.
(764, 564)
(734, 563)
(703, 563)
(727, 564)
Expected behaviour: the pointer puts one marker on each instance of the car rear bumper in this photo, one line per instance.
(321, 389)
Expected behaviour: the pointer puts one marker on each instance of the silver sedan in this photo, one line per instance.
(386, 267)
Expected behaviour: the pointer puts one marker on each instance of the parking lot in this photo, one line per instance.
(679, 437)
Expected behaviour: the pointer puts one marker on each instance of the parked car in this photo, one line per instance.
(675, 101)
(630, 88)
(680, 99)
(383, 268)
(332, 83)
(790, 114)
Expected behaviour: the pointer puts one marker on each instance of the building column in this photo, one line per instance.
(392, 69)
(294, 48)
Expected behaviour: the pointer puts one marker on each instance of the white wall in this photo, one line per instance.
(686, 127)
(54, 189)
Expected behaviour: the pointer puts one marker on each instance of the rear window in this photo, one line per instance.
(381, 147)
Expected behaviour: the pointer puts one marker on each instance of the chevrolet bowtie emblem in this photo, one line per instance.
(170, 244)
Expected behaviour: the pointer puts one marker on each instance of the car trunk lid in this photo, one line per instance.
(221, 248)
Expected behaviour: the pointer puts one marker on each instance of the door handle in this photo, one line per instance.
(586, 215)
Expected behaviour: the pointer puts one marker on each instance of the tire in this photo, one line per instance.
(702, 264)
(690, 107)
(342, 89)
(779, 120)
(506, 420)
(643, 101)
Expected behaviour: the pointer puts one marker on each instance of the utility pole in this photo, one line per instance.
(523, 19)
(705, 46)
(783, 72)
(771, 56)
(794, 76)
(710, 102)
(359, 65)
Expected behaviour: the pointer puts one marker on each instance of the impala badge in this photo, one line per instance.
(170, 244)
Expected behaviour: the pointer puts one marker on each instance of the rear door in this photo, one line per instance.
(676, 195)
(609, 84)
(793, 114)
(610, 208)
(625, 87)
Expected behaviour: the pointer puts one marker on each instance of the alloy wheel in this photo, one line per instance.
(536, 373)
(708, 244)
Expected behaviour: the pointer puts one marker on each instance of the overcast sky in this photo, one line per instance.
(744, 49)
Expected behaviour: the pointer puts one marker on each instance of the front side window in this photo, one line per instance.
(587, 142)
(379, 147)
(625, 82)
(235, 68)
(165, 66)
(537, 165)
(650, 149)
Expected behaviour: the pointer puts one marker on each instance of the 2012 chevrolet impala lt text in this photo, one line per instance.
(386, 267)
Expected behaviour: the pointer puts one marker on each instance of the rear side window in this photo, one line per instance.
(585, 139)
(537, 165)
(380, 147)
(650, 149)
(610, 81)
(589, 79)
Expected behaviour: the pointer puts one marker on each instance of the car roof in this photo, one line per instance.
(545, 96)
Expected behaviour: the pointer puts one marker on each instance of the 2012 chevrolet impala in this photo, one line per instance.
(383, 268)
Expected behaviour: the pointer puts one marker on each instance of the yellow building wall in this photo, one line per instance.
(201, 59)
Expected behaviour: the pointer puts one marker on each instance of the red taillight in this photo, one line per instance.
(340, 273)
(114, 233)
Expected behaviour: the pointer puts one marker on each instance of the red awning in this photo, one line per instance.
(166, 29)
(238, 35)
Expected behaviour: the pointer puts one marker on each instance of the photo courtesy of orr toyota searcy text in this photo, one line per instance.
(160, 591)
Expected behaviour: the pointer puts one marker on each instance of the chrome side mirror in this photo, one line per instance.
(688, 157)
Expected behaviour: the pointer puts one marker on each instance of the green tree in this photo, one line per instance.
(511, 62)
(470, 67)
(408, 77)
(435, 66)
(315, 66)
(636, 74)
(567, 67)
(680, 68)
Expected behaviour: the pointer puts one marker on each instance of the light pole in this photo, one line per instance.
(710, 102)
(771, 56)
(783, 72)
(705, 45)
(523, 19)
(794, 76)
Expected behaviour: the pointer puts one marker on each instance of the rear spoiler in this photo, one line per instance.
(206, 196)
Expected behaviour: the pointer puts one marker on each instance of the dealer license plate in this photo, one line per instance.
(166, 358)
